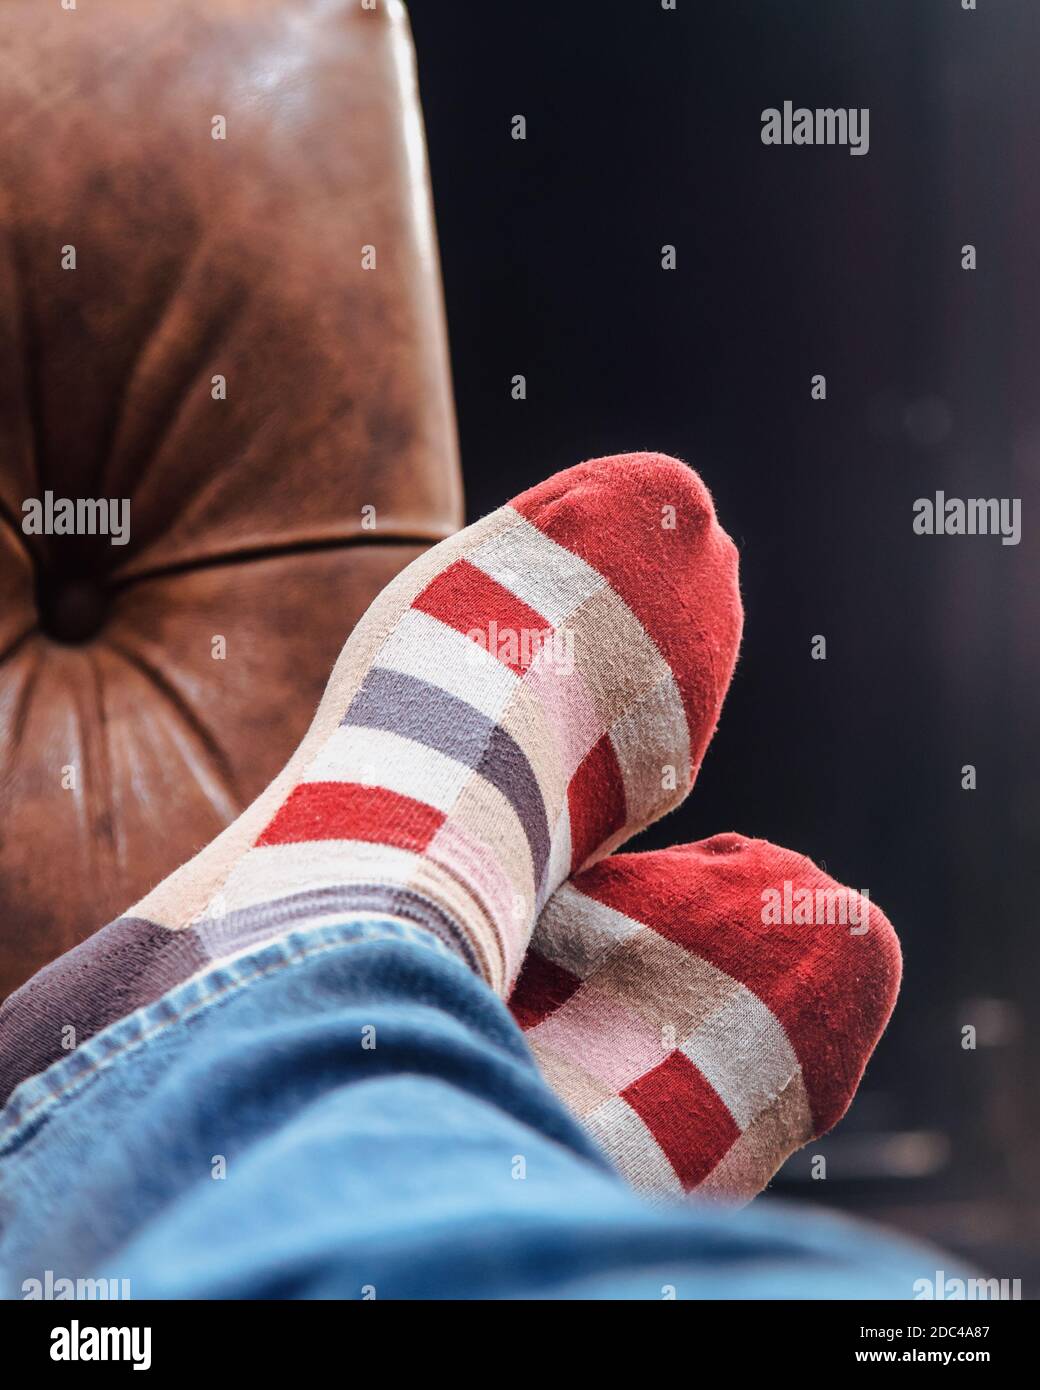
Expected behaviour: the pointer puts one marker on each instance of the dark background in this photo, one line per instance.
(643, 128)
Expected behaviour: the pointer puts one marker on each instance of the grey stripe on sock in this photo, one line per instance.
(404, 705)
(248, 925)
(127, 963)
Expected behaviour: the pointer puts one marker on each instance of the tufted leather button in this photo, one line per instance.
(188, 324)
(71, 610)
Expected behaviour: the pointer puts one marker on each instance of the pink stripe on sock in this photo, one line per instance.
(597, 1033)
(475, 865)
(574, 723)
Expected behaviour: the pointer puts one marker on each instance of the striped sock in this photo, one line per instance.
(515, 704)
(707, 1010)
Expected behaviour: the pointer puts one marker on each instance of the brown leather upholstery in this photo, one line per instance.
(124, 744)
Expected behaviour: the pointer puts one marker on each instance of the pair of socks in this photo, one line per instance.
(515, 705)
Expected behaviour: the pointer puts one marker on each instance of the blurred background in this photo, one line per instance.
(643, 128)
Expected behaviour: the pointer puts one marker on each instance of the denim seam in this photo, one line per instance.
(240, 972)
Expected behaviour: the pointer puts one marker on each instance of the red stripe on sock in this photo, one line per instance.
(470, 601)
(685, 1115)
(542, 987)
(595, 800)
(348, 811)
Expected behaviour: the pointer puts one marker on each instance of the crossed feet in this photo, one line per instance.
(516, 704)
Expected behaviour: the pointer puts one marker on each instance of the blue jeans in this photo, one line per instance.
(349, 1112)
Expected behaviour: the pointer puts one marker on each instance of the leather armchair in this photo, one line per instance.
(190, 322)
